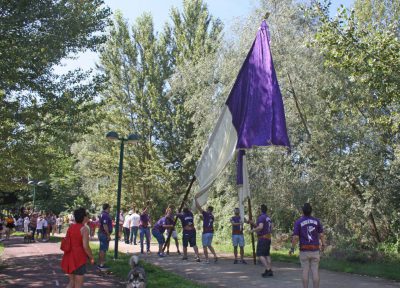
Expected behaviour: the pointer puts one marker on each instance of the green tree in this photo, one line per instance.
(43, 112)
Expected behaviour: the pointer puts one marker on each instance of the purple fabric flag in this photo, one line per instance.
(239, 167)
(253, 115)
(255, 101)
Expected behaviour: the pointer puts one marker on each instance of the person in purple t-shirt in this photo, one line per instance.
(104, 234)
(208, 230)
(237, 236)
(263, 227)
(188, 233)
(144, 228)
(310, 232)
(172, 231)
(159, 228)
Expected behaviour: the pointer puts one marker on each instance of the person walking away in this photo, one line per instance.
(126, 226)
(74, 261)
(33, 224)
(172, 231)
(208, 231)
(263, 228)
(10, 224)
(19, 226)
(26, 225)
(53, 220)
(188, 233)
(44, 229)
(71, 219)
(95, 222)
(237, 236)
(158, 231)
(308, 231)
(59, 223)
(39, 228)
(134, 223)
(144, 228)
(104, 235)
(121, 223)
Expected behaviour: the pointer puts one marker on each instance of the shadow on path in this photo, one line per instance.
(38, 265)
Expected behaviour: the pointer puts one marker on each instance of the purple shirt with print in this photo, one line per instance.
(208, 222)
(308, 228)
(105, 219)
(144, 220)
(267, 224)
(160, 223)
(187, 220)
(236, 229)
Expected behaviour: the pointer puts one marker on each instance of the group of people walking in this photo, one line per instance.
(308, 231)
(38, 226)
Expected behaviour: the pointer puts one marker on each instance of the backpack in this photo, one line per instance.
(66, 243)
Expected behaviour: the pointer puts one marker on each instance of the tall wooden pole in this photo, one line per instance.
(252, 234)
(179, 211)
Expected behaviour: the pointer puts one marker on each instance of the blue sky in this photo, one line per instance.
(226, 10)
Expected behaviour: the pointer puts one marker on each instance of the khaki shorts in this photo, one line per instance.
(309, 259)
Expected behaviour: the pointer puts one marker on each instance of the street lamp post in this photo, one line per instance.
(35, 183)
(132, 139)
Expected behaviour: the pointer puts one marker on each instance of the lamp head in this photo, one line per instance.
(133, 139)
(112, 136)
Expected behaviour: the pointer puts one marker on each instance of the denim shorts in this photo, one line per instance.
(206, 239)
(159, 236)
(104, 243)
(238, 239)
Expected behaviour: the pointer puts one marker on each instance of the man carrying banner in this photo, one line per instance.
(172, 231)
(188, 233)
(263, 228)
(208, 231)
(309, 231)
(159, 228)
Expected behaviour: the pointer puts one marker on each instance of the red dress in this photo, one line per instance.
(76, 257)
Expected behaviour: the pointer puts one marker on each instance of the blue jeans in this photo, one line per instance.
(134, 230)
(144, 232)
(104, 243)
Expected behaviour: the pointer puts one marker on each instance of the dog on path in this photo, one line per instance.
(137, 275)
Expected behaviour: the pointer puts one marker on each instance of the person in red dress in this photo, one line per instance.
(74, 262)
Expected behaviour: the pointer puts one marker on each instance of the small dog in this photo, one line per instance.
(137, 275)
(28, 237)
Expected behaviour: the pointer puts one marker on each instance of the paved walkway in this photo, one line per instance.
(38, 265)
(226, 274)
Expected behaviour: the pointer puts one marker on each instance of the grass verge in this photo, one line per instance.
(1, 248)
(156, 277)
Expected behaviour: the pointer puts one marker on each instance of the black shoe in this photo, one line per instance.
(236, 261)
(267, 273)
(198, 259)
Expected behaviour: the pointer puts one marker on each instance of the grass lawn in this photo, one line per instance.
(1, 248)
(156, 277)
(53, 239)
